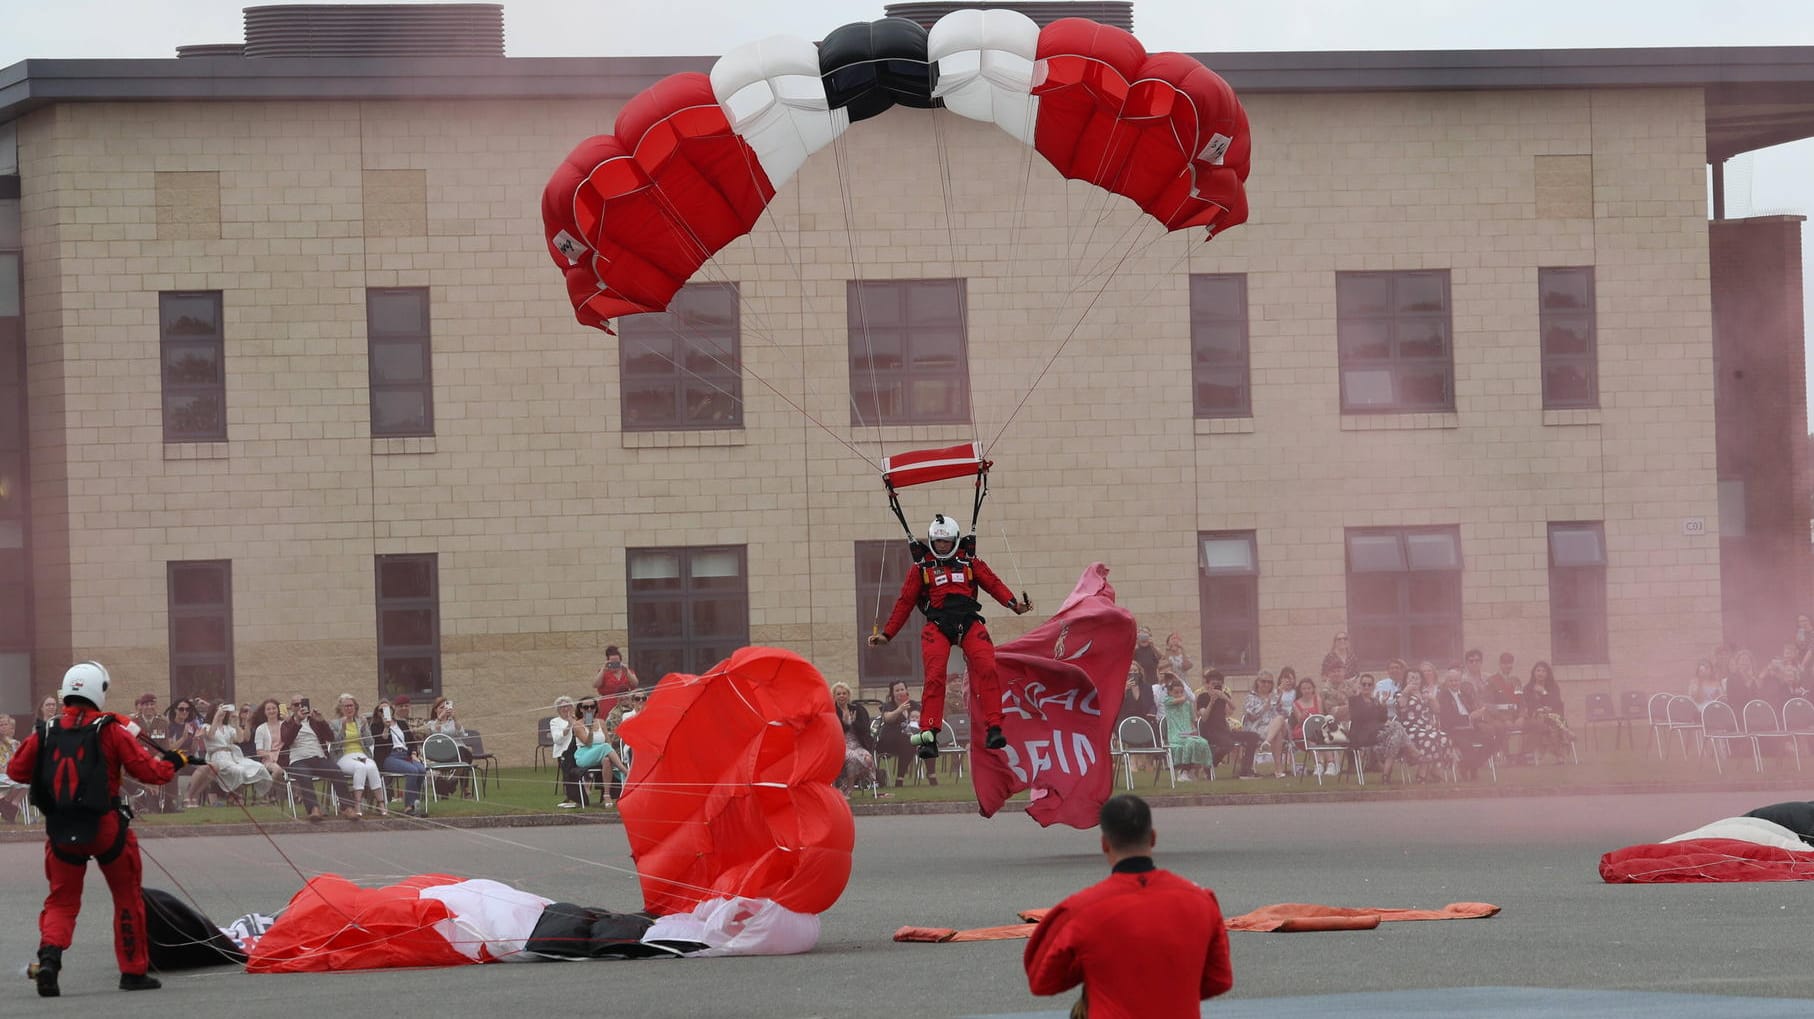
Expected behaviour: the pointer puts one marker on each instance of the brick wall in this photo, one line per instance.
(530, 492)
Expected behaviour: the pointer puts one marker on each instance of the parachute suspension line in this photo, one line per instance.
(839, 157)
(1011, 277)
(963, 304)
(1013, 562)
(1047, 367)
(740, 366)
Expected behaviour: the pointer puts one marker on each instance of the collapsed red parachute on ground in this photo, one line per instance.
(730, 787)
(695, 159)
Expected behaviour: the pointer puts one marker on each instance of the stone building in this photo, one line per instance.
(292, 399)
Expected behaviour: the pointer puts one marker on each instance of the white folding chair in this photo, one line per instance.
(1135, 737)
(442, 755)
(1685, 718)
(1719, 724)
(1316, 740)
(1760, 723)
(1659, 723)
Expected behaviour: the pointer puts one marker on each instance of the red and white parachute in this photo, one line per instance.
(695, 159)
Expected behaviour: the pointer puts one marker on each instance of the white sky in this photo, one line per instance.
(1779, 180)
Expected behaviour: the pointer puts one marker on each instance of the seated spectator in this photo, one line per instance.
(1306, 702)
(1220, 726)
(1136, 698)
(899, 720)
(1190, 752)
(267, 738)
(569, 734)
(1462, 719)
(1544, 710)
(1742, 685)
(232, 769)
(12, 794)
(1388, 687)
(155, 726)
(597, 760)
(354, 756)
(303, 745)
(1502, 687)
(1370, 727)
(393, 747)
(186, 735)
(1428, 747)
(1264, 715)
(246, 722)
(859, 741)
(1704, 688)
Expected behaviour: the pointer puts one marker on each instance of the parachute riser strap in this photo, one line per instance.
(894, 503)
(982, 492)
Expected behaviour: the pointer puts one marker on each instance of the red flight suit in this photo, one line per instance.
(115, 847)
(933, 585)
(1145, 943)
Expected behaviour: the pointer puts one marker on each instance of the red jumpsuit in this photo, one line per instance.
(119, 858)
(1145, 944)
(933, 581)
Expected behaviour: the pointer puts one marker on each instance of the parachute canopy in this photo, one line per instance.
(695, 159)
(730, 787)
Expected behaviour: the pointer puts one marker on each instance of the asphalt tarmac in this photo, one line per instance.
(1560, 928)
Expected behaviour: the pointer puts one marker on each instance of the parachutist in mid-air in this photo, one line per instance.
(943, 584)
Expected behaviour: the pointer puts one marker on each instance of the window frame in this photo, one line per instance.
(725, 374)
(862, 299)
(180, 612)
(695, 652)
(877, 591)
(1394, 319)
(1205, 312)
(1218, 587)
(382, 603)
(1403, 619)
(1590, 577)
(376, 338)
(170, 391)
(1588, 319)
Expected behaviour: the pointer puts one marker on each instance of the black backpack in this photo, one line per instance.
(70, 783)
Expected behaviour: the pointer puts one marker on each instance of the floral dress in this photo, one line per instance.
(1428, 743)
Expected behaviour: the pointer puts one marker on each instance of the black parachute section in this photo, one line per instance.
(178, 937)
(869, 66)
(1797, 816)
(569, 931)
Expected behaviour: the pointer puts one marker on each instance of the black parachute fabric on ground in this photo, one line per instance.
(569, 931)
(869, 66)
(178, 937)
(1796, 815)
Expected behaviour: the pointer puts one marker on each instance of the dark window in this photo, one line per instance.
(1577, 593)
(1218, 346)
(909, 355)
(1404, 594)
(1228, 580)
(409, 627)
(401, 365)
(881, 568)
(683, 368)
(689, 607)
(1392, 332)
(1571, 370)
(192, 343)
(201, 629)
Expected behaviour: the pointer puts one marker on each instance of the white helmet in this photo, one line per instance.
(943, 528)
(87, 680)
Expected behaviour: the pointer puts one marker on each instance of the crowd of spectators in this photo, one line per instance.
(1414, 724)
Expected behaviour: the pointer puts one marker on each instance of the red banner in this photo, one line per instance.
(1061, 690)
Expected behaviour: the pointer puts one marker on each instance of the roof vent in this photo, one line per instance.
(375, 30)
(1119, 13)
(212, 49)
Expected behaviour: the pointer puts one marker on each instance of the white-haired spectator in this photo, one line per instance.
(568, 734)
(353, 747)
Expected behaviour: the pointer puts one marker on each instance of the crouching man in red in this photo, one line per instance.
(73, 763)
(1145, 943)
(943, 586)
